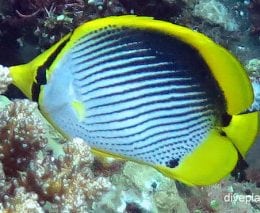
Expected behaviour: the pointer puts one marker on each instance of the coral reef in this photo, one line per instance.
(68, 181)
(22, 201)
(140, 188)
(216, 13)
(253, 67)
(21, 135)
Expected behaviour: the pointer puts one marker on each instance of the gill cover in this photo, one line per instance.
(112, 78)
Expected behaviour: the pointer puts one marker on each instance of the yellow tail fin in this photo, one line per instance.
(243, 130)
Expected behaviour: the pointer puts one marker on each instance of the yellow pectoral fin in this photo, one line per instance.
(212, 160)
(79, 109)
(243, 130)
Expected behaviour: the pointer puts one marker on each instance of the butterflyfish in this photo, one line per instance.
(149, 91)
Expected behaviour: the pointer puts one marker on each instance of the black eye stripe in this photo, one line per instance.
(35, 91)
(41, 71)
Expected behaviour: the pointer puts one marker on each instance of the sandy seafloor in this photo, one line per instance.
(40, 171)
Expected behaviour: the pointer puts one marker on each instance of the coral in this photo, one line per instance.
(35, 179)
(68, 181)
(21, 134)
(253, 67)
(140, 188)
(216, 13)
(5, 79)
(23, 201)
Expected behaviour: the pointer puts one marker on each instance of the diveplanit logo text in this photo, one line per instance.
(235, 197)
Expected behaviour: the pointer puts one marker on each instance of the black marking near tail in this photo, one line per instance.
(172, 163)
(41, 71)
(35, 91)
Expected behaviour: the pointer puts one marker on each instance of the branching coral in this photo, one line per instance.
(23, 201)
(22, 133)
(32, 178)
(67, 182)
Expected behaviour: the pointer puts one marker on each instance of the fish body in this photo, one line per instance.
(149, 91)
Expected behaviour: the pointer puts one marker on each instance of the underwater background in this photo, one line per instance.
(40, 171)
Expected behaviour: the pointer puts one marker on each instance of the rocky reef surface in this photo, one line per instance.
(40, 171)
